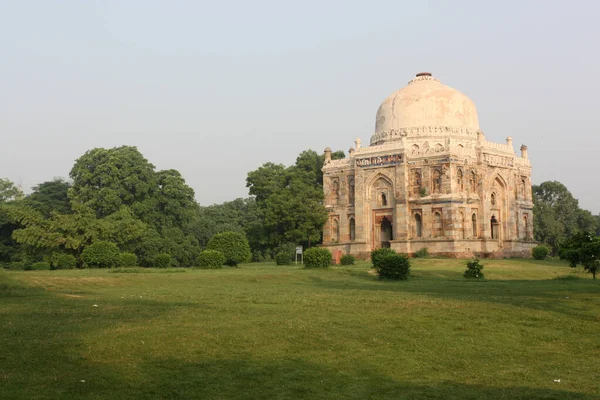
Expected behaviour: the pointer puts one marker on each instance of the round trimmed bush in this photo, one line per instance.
(233, 245)
(211, 259)
(16, 266)
(283, 258)
(317, 257)
(540, 252)
(474, 269)
(377, 254)
(424, 252)
(128, 260)
(162, 260)
(347, 259)
(63, 261)
(101, 255)
(40, 266)
(393, 266)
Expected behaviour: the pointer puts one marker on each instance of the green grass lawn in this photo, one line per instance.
(268, 332)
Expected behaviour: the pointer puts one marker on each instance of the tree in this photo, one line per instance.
(239, 215)
(106, 179)
(266, 180)
(557, 215)
(312, 162)
(8, 191)
(73, 232)
(51, 196)
(289, 200)
(583, 248)
(296, 213)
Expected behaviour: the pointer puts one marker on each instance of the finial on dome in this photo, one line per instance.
(423, 74)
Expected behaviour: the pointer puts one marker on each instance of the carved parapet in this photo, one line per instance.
(522, 162)
(424, 131)
(337, 164)
(378, 148)
(503, 147)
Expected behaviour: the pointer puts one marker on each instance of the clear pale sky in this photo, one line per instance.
(215, 89)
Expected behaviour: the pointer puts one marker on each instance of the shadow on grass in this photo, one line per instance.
(274, 379)
(549, 295)
(42, 353)
(43, 357)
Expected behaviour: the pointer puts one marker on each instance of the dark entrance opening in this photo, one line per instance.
(494, 224)
(386, 232)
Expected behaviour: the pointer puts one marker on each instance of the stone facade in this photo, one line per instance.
(429, 179)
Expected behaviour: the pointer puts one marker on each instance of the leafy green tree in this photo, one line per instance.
(289, 201)
(239, 215)
(265, 181)
(8, 191)
(557, 215)
(110, 180)
(295, 213)
(73, 232)
(583, 248)
(106, 179)
(51, 196)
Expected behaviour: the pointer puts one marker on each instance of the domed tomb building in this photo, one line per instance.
(429, 179)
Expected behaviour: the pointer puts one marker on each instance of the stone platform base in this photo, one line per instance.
(468, 248)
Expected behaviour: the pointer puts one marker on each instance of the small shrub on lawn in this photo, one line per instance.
(101, 255)
(63, 261)
(283, 258)
(377, 254)
(347, 259)
(393, 266)
(540, 252)
(317, 257)
(473, 270)
(162, 260)
(16, 266)
(211, 259)
(422, 253)
(233, 245)
(39, 266)
(128, 260)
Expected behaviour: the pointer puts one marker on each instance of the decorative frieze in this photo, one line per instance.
(502, 161)
(379, 160)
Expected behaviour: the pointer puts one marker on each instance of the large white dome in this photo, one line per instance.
(424, 105)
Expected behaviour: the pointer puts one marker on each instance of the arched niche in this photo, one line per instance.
(381, 192)
(418, 225)
(335, 230)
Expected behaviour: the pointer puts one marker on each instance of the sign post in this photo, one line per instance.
(299, 253)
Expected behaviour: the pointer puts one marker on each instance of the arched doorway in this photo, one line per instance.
(386, 232)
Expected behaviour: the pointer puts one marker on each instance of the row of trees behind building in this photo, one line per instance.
(117, 196)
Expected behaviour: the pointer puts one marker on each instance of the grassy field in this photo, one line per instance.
(267, 332)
